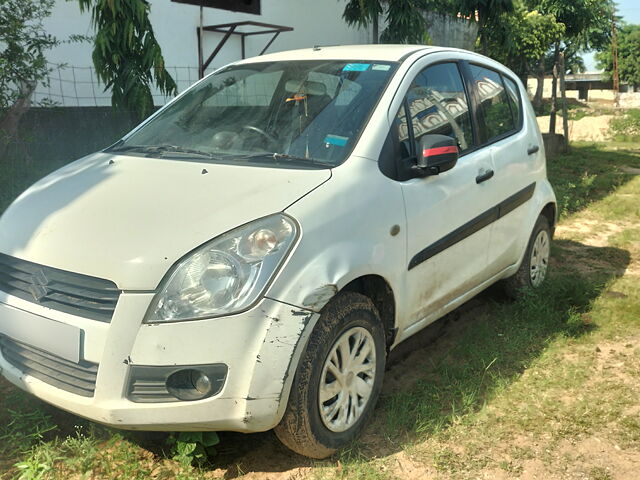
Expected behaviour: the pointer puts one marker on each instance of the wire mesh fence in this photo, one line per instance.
(72, 86)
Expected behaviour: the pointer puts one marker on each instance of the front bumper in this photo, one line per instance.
(261, 348)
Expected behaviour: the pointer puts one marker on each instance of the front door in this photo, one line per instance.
(447, 214)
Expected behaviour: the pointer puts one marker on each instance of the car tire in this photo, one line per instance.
(535, 264)
(330, 400)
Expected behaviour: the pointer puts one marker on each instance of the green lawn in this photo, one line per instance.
(547, 386)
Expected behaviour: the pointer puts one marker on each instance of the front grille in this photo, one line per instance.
(78, 378)
(68, 292)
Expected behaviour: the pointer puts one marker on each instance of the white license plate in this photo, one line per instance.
(53, 337)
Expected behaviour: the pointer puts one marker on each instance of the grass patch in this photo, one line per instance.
(509, 387)
(589, 173)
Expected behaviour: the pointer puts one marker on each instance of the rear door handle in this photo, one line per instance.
(533, 149)
(484, 176)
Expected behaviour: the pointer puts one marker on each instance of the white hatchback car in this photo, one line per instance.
(246, 258)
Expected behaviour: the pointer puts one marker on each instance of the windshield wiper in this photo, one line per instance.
(162, 149)
(285, 156)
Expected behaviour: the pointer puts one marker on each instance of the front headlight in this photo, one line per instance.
(227, 274)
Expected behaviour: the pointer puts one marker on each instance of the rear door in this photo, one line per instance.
(502, 132)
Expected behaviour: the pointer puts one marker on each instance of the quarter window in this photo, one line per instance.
(437, 104)
(514, 99)
(495, 112)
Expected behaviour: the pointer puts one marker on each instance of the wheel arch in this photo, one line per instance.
(379, 291)
(550, 211)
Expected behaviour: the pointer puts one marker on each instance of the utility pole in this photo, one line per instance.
(614, 54)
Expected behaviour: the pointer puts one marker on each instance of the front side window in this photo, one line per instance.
(496, 118)
(268, 113)
(437, 104)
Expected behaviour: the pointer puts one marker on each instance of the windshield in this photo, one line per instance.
(276, 113)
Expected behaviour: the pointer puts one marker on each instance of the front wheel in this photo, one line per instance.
(535, 263)
(338, 379)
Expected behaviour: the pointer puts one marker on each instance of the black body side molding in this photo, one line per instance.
(474, 225)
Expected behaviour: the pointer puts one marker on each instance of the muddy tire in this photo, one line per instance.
(338, 379)
(535, 263)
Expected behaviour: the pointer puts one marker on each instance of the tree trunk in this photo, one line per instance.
(374, 27)
(11, 120)
(554, 91)
(563, 96)
(537, 98)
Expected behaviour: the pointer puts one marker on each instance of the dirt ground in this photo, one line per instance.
(587, 129)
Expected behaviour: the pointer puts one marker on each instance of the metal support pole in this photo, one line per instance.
(200, 40)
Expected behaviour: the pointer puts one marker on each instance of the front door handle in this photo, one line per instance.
(533, 149)
(484, 176)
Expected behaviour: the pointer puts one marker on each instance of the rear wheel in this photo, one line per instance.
(338, 379)
(535, 264)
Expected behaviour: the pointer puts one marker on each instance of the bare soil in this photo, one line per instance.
(587, 129)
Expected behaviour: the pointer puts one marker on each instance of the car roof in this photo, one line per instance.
(391, 53)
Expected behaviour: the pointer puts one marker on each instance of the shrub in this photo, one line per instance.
(627, 127)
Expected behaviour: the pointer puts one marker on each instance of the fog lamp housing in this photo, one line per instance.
(155, 384)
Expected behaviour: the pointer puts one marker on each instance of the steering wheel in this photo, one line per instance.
(262, 133)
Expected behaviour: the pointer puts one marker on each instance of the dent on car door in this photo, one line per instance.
(500, 112)
(447, 244)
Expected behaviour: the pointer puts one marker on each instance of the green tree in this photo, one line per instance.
(520, 38)
(628, 56)
(487, 12)
(405, 19)
(126, 55)
(587, 27)
(362, 13)
(23, 43)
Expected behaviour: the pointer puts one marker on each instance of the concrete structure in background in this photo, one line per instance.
(586, 87)
(314, 22)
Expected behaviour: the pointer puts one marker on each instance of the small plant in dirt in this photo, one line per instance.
(627, 127)
(193, 448)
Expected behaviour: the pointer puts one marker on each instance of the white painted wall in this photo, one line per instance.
(315, 22)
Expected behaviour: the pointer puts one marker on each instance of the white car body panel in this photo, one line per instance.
(130, 219)
(130, 216)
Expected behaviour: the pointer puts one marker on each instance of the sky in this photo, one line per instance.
(629, 10)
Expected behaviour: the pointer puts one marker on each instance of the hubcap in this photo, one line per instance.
(539, 258)
(347, 379)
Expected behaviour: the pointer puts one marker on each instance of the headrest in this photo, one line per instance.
(306, 87)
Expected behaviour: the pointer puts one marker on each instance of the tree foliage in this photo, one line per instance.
(587, 22)
(362, 13)
(488, 12)
(23, 42)
(23, 65)
(126, 55)
(405, 18)
(628, 55)
(519, 39)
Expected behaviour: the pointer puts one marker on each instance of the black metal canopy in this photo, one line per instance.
(246, 6)
(229, 29)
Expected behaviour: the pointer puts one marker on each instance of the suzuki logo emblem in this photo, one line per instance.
(38, 287)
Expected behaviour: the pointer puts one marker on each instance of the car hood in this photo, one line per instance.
(129, 219)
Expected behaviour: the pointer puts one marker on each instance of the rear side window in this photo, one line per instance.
(437, 104)
(495, 110)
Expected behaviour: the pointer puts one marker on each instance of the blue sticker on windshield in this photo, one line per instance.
(336, 140)
(356, 67)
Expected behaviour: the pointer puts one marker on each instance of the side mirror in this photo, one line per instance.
(436, 154)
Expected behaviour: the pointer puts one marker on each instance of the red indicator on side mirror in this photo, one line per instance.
(430, 152)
